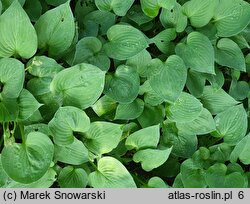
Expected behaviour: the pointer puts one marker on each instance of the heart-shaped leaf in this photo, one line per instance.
(151, 158)
(151, 8)
(29, 161)
(197, 53)
(129, 111)
(42, 66)
(11, 78)
(111, 174)
(102, 137)
(66, 121)
(144, 138)
(203, 124)
(216, 100)
(174, 17)
(231, 124)
(186, 108)
(228, 53)
(45, 182)
(17, 34)
(75, 153)
(104, 105)
(119, 7)
(192, 174)
(28, 105)
(157, 182)
(89, 50)
(79, 86)
(231, 17)
(184, 143)
(162, 40)
(200, 12)
(56, 29)
(170, 80)
(124, 85)
(242, 151)
(125, 41)
(71, 177)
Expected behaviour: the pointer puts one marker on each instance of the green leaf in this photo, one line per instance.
(136, 14)
(185, 109)
(88, 50)
(125, 41)
(75, 153)
(3, 175)
(241, 151)
(200, 12)
(228, 53)
(119, 7)
(37, 127)
(178, 182)
(170, 80)
(151, 158)
(11, 78)
(42, 66)
(140, 62)
(104, 20)
(104, 106)
(216, 100)
(151, 8)
(215, 175)
(102, 137)
(192, 175)
(150, 96)
(174, 18)
(197, 53)
(236, 180)
(152, 115)
(29, 161)
(71, 177)
(157, 182)
(17, 34)
(195, 83)
(124, 85)
(231, 124)
(184, 143)
(239, 89)
(66, 121)
(55, 2)
(28, 105)
(202, 125)
(129, 111)
(217, 80)
(9, 110)
(56, 29)
(144, 138)
(45, 182)
(111, 174)
(80, 85)
(162, 39)
(7, 3)
(220, 152)
(33, 8)
(231, 17)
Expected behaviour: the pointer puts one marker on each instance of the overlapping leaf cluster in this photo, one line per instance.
(114, 93)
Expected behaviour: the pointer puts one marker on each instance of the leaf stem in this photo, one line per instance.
(21, 127)
(93, 165)
(139, 180)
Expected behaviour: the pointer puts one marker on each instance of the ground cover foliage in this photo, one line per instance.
(114, 93)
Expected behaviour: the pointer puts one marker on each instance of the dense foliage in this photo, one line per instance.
(124, 93)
